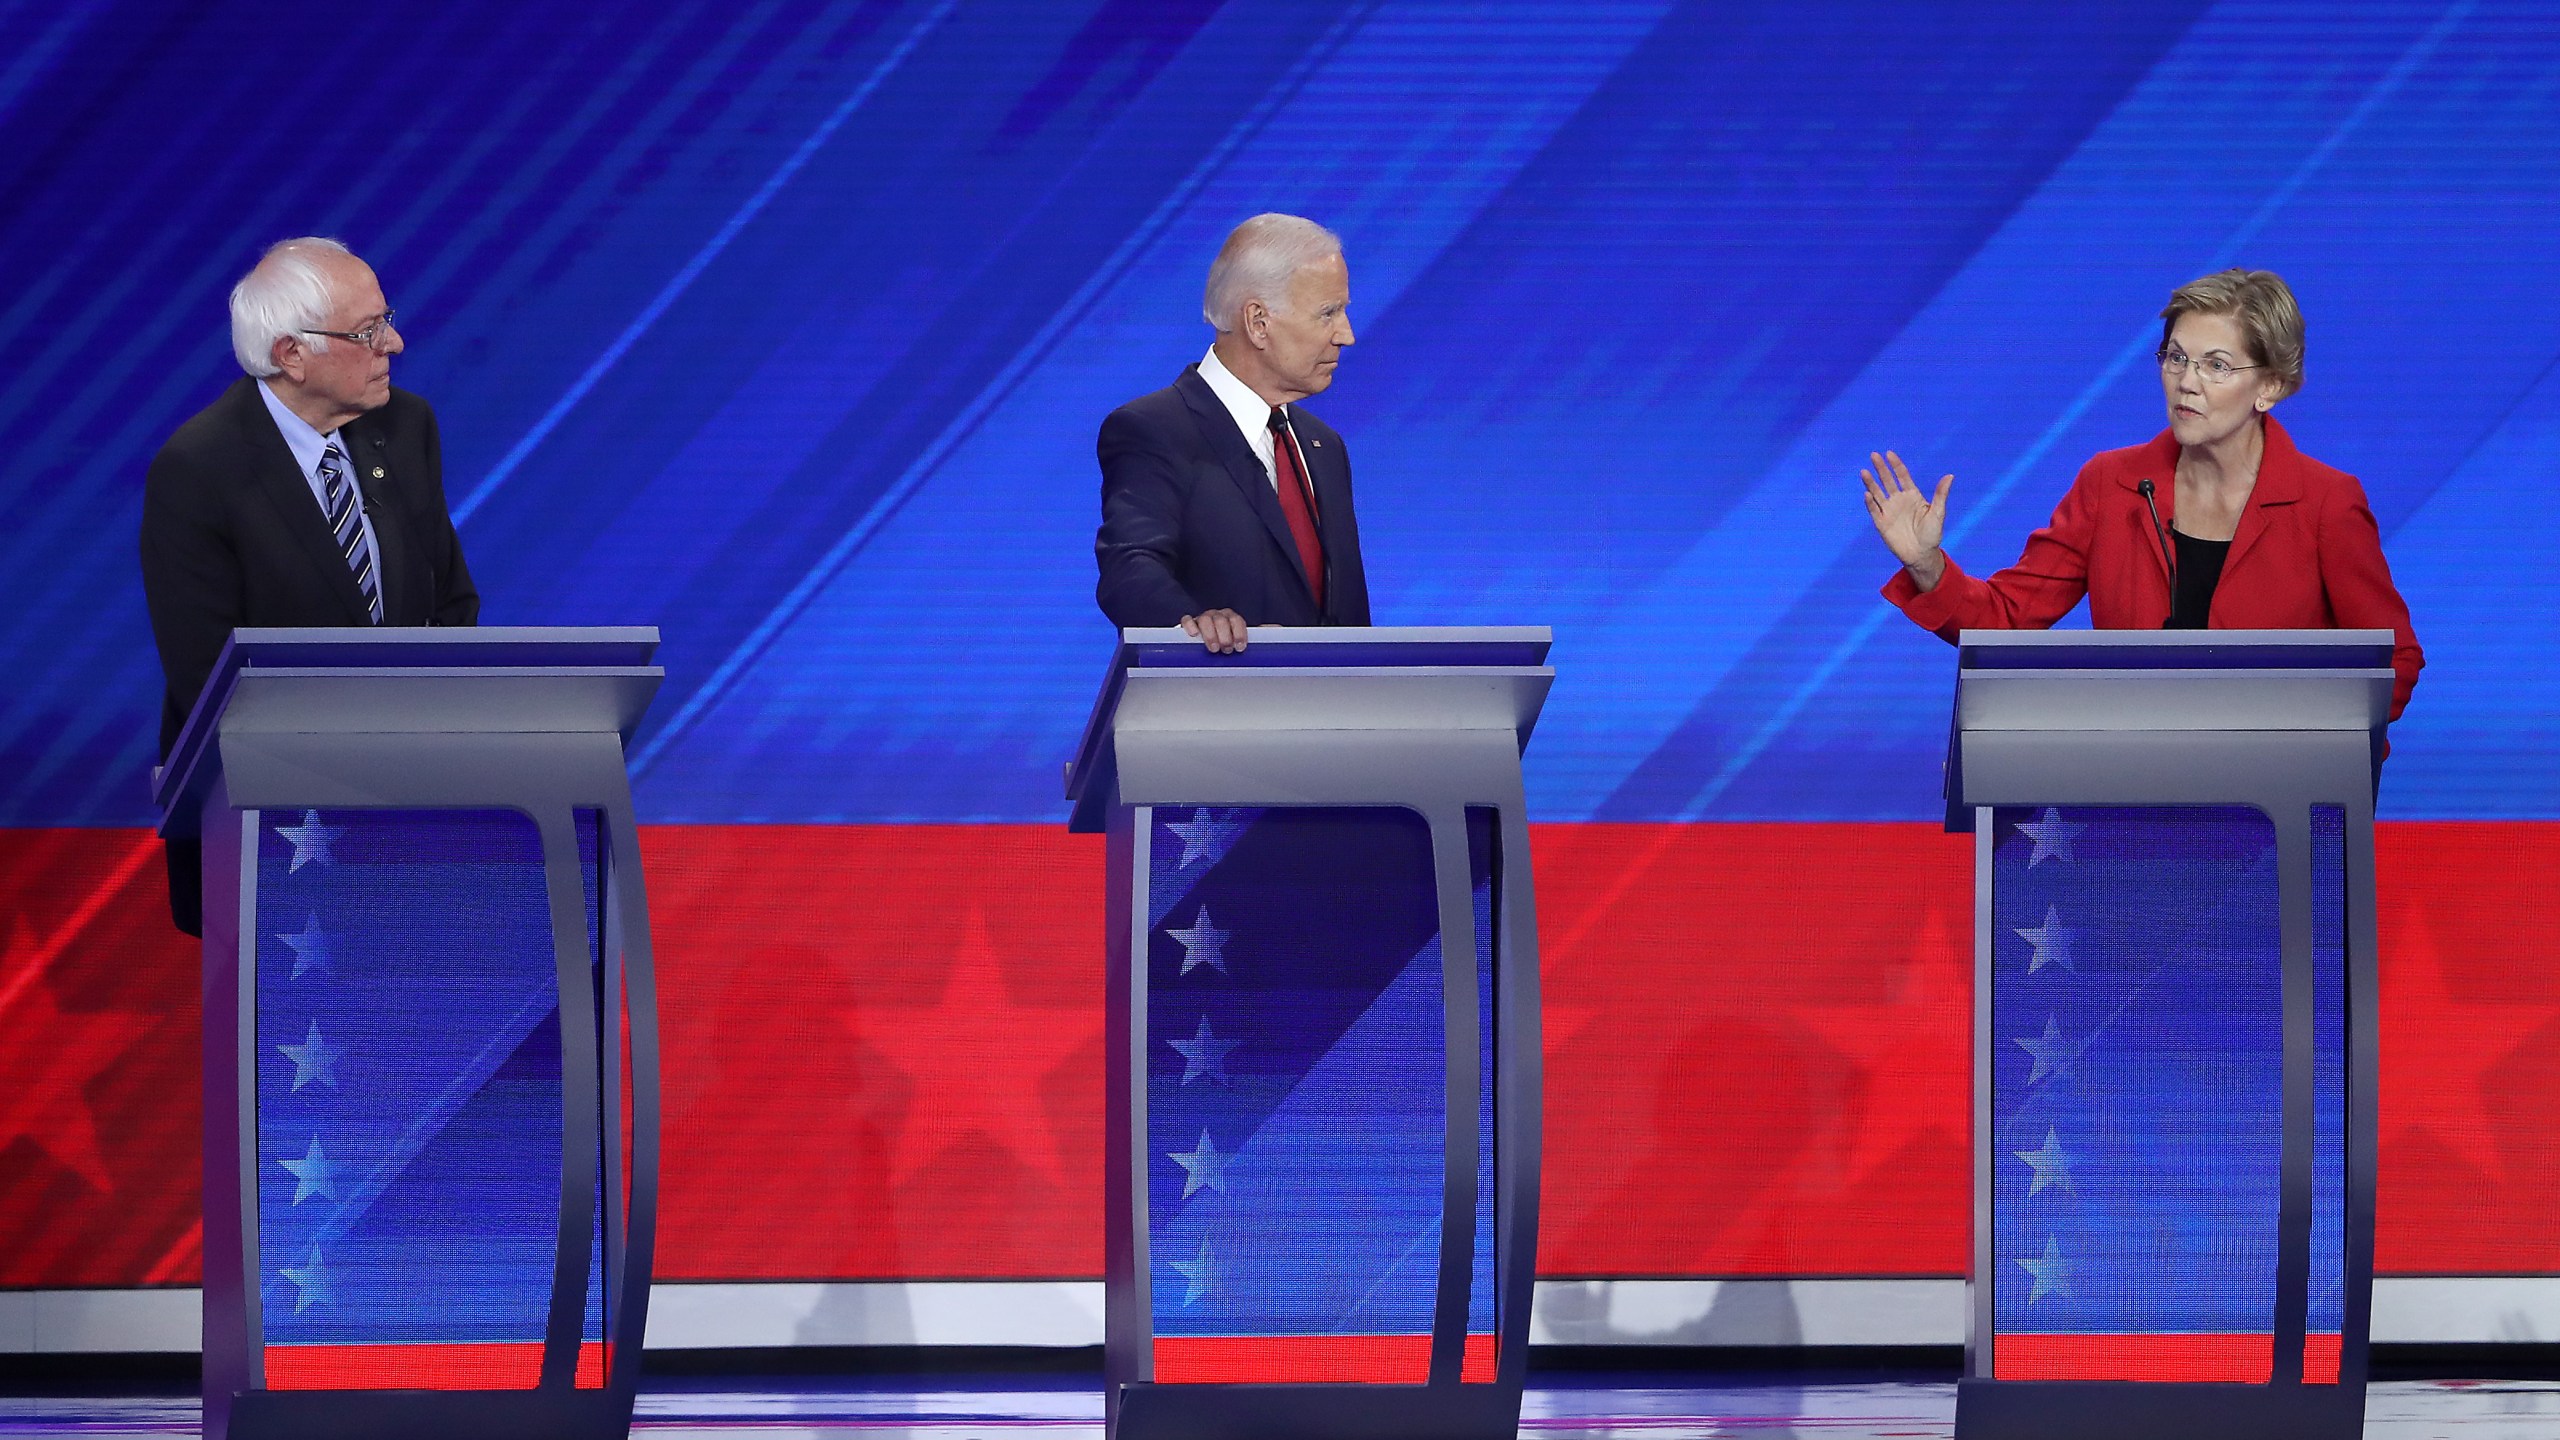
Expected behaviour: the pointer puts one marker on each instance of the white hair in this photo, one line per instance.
(285, 293)
(1260, 258)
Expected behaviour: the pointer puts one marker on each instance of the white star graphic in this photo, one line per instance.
(2052, 940)
(313, 1277)
(313, 1174)
(314, 1059)
(1204, 834)
(310, 948)
(311, 840)
(1204, 1166)
(2053, 1273)
(2052, 1166)
(2053, 836)
(1203, 944)
(1204, 1054)
(2054, 1055)
(1201, 1272)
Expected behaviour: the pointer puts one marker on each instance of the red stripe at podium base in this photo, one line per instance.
(1313, 1359)
(501, 1365)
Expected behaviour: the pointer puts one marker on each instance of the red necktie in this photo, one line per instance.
(1297, 501)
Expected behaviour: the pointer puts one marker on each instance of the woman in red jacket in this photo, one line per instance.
(2263, 536)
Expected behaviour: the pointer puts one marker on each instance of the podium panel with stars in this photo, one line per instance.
(2174, 1033)
(1321, 1168)
(430, 1042)
(409, 1099)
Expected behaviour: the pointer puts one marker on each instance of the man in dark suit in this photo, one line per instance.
(1224, 503)
(310, 493)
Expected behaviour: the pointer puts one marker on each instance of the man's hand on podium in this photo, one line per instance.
(1220, 630)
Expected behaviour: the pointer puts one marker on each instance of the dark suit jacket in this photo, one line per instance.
(231, 536)
(1190, 521)
(2307, 556)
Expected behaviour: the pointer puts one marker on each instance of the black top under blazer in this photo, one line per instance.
(1190, 521)
(231, 536)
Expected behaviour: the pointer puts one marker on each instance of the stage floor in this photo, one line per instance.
(1656, 1408)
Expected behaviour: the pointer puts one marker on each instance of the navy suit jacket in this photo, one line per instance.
(1190, 521)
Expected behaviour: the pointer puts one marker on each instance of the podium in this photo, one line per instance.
(1321, 1174)
(430, 1040)
(2174, 1029)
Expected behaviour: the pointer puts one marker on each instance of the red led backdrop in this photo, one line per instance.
(884, 1052)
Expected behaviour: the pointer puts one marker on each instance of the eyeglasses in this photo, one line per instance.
(2217, 371)
(370, 337)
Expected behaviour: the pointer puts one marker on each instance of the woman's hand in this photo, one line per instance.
(1909, 522)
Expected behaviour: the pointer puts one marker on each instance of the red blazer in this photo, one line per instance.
(2307, 556)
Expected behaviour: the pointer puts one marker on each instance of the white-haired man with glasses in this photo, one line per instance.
(310, 493)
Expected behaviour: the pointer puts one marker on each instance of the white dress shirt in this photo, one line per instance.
(308, 445)
(1251, 411)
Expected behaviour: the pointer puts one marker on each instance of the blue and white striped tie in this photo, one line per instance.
(349, 527)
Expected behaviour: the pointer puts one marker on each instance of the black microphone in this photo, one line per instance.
(364, 479)
(2160, 532)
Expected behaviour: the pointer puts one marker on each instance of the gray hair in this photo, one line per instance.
(1260, 258)
(285, 293)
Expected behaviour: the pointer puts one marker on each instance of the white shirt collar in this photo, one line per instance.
(1252, 413)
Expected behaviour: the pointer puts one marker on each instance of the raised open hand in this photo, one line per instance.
(1910, 522)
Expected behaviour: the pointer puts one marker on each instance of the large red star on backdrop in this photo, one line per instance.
(2438, 1050)
(975, 1061)
(1913, 1049)
(48, 1056)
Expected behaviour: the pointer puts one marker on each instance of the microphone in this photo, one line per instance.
(365, 478)
(2160, 532)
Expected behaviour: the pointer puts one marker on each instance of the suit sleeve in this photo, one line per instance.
(2358, 583)
(191, 579)
(1138, 550)
(457, 600)
(2048, 579)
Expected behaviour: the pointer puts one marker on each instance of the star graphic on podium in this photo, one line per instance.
(1202, 1273)
(1204, 834)
(312, 1276)
(1204, 1054)
(1203, 944)
(2052, 1166)
(311, 840)
(1203, 1166)
(2052, 1272)
(2054, 1054)
(314, 1059)
(2053, 836)
(2052, 940)
(313, 1174)
(310, 948)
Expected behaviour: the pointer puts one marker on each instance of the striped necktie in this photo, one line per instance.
(345, 524)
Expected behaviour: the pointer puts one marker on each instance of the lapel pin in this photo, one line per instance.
(1316, 443)
(377, 472)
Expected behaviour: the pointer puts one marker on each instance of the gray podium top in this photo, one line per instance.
(493, 679)
(1491, 677)
(2097, 682)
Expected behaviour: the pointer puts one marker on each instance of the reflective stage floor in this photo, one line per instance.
(1670, 1407)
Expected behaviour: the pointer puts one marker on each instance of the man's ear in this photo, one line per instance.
(1257, 324)
(289, 357)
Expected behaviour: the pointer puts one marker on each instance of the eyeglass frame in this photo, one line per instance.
(369, 337)
(2197, 363)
